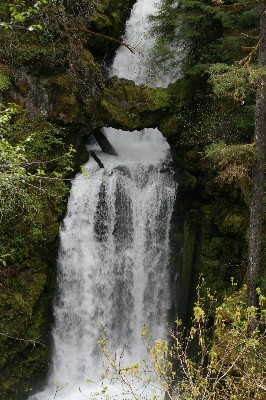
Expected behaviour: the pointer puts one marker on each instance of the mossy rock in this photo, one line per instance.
(65, 108)
(128, 106)
(63, 98)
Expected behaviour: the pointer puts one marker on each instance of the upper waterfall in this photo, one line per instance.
(139, 66)
(113, 263)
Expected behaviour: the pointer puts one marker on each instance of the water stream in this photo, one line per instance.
(113, 263)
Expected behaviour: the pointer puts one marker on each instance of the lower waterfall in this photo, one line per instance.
(113, 260)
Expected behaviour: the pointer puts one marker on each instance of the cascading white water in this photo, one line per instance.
(139, 66)
(114, 252)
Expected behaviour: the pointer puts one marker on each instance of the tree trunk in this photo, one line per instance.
(104, 144)
(256, 207)
(97, 159)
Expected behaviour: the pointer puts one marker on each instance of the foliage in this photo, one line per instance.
(32, 174)
(234, 81)
(233, 162)
(208, 361)
(22, 169)
(4, 81)
(21, 15)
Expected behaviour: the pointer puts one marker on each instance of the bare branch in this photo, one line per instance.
(88, 31)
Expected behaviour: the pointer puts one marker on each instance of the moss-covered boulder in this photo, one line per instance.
(130, 107)
(125, 105)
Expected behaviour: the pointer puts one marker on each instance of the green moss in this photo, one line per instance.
(21, 358)
(233, 224)
(4, 81)
(171, 126)
(161, 98)
(128, 106)
(65, 108)
(4, 11)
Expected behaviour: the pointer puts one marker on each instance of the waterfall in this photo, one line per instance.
(113, 263)
(140, 66)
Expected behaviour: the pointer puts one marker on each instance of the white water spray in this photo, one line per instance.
(114, 254)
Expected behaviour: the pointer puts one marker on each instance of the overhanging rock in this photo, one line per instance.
(128, 106)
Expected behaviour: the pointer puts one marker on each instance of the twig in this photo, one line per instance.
(23, 340)
(85, 30)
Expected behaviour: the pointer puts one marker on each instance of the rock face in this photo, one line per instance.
(60, 98)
